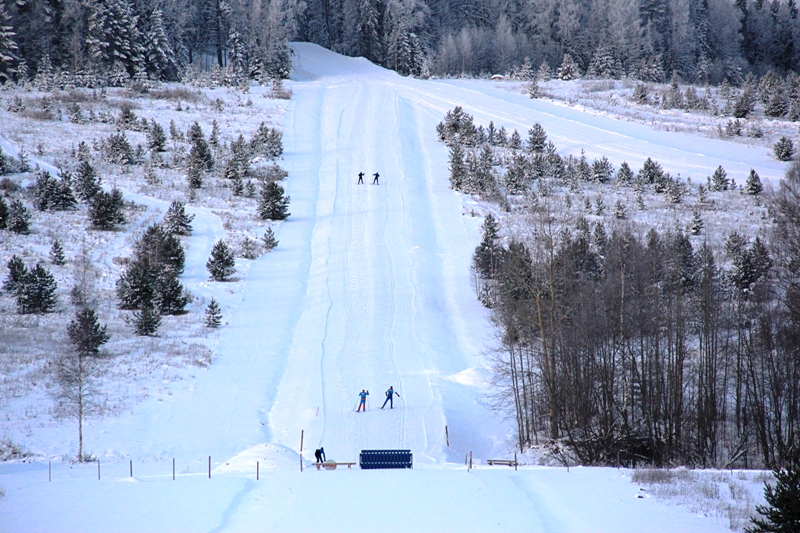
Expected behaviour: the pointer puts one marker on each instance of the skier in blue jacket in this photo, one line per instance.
(389, 394)
(363, 403)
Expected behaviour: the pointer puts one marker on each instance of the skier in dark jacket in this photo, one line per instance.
(320, 455)
(361, 178)
(375, 181)
(389, 394)
(363, 403)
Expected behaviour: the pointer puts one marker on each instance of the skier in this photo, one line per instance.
(363, 403)
(389, 394)
(320, 455)
(375, 181)
(361, 178)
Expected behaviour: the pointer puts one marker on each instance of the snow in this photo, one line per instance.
(370, 287)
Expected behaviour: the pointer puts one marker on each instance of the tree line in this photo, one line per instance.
(648, 348)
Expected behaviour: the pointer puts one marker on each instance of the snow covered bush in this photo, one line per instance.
(783, 149)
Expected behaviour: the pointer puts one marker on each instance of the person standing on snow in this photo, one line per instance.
(363, 403)
(375, 181)
(360, 178)
(389, 394)
(320, 455)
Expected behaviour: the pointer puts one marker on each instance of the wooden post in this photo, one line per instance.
(98, 469)
(173, 469)
(447, 436)
(302, 432)
(256, 470)
(515, 461)
(466, 459)
(131, 467)
(470, 460)
(209, 467)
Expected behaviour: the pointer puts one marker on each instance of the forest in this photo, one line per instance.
(109, 41)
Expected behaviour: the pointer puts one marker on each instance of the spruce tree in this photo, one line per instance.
(213, 314)
(105, 210)
(651, 172)
(269, 240)
(3, 213)
(176, 221)
(697, 224)
(194, 175)
(222, 264)
(146, 322)
(57, 253)
(170, 295)
(753, 185)
(782, 512)
(272, 204)
(18, 217)
(8, 46)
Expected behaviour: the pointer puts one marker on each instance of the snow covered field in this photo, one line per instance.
(370, 287)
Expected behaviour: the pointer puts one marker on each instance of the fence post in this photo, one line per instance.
(256, 470)
(447, 436)
(173, 469)
(302, 434)
(470, 460)
(209, 467)
(515, 461)
(131, 467)
(98, 469)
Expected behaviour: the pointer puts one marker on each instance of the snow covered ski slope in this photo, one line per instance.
(369, 288)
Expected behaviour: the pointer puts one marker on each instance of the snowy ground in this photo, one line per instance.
(369, 288)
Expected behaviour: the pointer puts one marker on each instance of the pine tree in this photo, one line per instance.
(213, 140)
(458, 170)
(267, 142)
(515, 142)
(602, 170)
(174, 133)
(651, 172)
(18, 217)
(105, 210)
(146, 321)
(272, 204)
(87, 183)
(17, 274)
(697, 223)
(57, 253)
(38, 292)
(753, 185)
(620, 213)
(170, 296)
(156, 138)
(569, 69)
(194, 176)
(269, 240)
(176, 221)
(222, 264)
(113, 36)
(158, 54)
(719, 180)
(537, 138)
(8, 46)
(3, 213)
(783, 149)
(782, 512)
(213, 314)
(624, 174)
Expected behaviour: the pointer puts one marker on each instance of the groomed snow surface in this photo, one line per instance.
(369, 288)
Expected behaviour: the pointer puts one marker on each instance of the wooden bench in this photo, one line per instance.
(331, 465)
(508, 462)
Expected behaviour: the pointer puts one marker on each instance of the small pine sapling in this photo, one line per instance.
(18, 217)
(620, 213)
(156, 138)
(146, 322)
(782, 512)
(697, 224)
(753, 185)
(272, 204)
(269, 240)
(222, 264)
(783, 149)
(57, 253)
(3, 213)
(213, 314)
(176, 221)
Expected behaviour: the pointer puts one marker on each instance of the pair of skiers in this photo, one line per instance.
(374, 181)
(362, 404)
